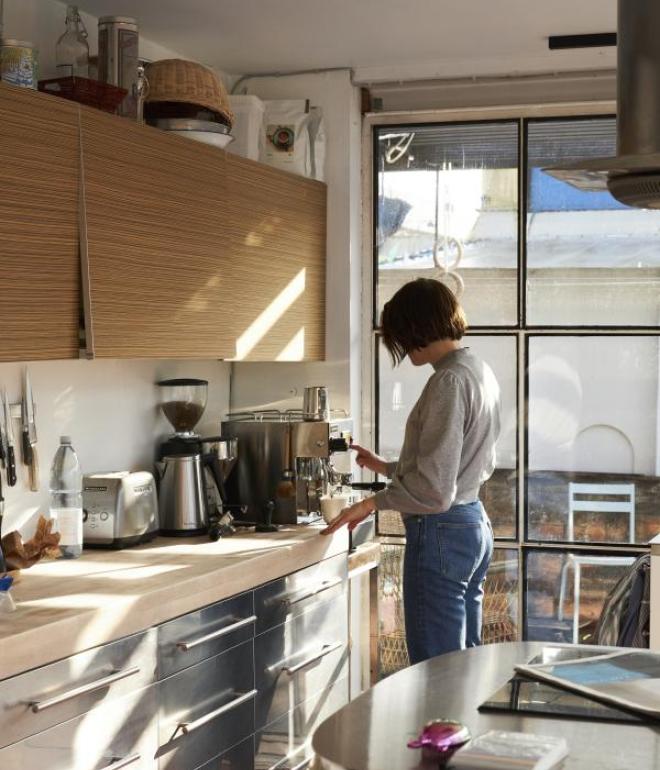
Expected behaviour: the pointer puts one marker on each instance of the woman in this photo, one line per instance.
(447, 454)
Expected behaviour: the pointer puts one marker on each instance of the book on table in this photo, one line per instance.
(500, 750)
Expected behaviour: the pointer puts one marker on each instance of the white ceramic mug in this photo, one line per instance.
(331, 507)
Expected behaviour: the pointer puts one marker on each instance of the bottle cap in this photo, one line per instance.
(65, 439)
(5, 582)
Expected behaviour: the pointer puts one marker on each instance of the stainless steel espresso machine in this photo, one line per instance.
(284, 463)
(191, 470)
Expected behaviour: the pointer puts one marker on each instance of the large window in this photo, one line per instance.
(562, 292)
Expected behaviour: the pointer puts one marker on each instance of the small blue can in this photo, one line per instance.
(18, 63)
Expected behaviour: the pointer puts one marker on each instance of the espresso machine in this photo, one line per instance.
(284, 463)
(191, 470)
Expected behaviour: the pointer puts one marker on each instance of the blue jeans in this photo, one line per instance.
(445, 564)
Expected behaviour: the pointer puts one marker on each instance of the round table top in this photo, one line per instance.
(371, 732)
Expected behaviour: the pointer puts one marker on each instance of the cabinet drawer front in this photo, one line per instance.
(285, 744)
(123, 730)
(292, 595)
(46, 696)
(191, 638)
(240, 757)
(206, 709)
(299, 658)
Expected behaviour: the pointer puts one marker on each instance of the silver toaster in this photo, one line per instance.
(119, 509)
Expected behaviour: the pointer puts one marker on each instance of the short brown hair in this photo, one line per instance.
(421, 312)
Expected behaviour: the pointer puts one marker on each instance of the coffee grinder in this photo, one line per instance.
(191, 470)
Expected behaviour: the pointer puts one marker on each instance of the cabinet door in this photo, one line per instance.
(40, 273)
(154, 256)
(276, 233)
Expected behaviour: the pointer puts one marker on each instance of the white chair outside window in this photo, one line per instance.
(579, 502)
(576, 561)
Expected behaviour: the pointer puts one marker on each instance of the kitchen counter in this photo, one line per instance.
(371, 732)
(67, 606)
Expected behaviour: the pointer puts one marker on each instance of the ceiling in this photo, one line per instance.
(380, 39)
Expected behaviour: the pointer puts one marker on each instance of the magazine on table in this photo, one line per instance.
(629, 679)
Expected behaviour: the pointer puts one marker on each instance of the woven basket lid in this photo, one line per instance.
(178, 80)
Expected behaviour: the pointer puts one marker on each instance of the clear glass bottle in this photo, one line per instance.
(66, 499)
(72, 49)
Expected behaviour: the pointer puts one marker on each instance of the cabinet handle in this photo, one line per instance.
(185, 646)
(324, 586)
(118, 762)
(188, 727)
(84, 689)
(325, 650)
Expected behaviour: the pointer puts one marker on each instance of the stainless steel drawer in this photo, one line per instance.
(46, 696)
(240, 757)
(285, 744)
(206, 709)
(191, 638)
(119, 734)
(289, 596)
(299, 658)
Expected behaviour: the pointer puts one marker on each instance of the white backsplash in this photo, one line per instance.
(110, 410)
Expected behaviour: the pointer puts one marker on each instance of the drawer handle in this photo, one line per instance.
(324, 586)
(188, 727)
(325, 650)
(186, 646)
(118, 762)
(84, 689)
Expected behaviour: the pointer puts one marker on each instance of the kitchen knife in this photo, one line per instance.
(30, 456)
(11, 456)
(3, 453)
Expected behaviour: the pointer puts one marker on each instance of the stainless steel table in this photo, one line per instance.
(371, 732)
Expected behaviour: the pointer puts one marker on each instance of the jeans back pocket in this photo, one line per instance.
(461, 549)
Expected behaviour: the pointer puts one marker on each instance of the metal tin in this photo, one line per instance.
(119, 57)
(18, 63)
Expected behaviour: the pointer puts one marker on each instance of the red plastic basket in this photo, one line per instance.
(93, 93)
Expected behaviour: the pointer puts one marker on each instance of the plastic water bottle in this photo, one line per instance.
(66, 499)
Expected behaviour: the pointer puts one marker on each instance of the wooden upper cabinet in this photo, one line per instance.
(39, 264)
(154, 264)
(192, 252)
(276, 237)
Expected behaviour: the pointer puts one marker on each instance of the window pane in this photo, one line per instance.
(500, 608)
(590, 260)
(594, 423)
(556, 609)
(399, 389)
(447, 208)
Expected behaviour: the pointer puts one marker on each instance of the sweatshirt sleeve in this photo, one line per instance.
(390, 468)
(430, 487)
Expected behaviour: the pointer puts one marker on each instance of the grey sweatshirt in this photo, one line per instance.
(449, 445)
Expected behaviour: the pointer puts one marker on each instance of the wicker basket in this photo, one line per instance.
(178, 80)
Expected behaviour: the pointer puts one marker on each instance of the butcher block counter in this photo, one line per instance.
(67, 606)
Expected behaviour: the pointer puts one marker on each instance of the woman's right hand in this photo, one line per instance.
(365, 458)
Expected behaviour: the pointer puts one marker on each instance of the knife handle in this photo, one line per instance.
(27, 448)
(11, 466)
(34, 469)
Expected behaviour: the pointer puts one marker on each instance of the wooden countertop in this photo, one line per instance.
(371, 732)
(67, 606)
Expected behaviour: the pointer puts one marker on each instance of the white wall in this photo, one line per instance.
(281, 384)
(109, 408)
(41, 22)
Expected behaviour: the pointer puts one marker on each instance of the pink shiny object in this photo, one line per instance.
(440, 738)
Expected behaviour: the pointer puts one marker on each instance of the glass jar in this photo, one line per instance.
(72, 50)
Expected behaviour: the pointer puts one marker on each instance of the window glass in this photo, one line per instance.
(558, 609)
(594, 418)
(590, 260)
(500, 605)
(447, 200)
(399, 389)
